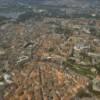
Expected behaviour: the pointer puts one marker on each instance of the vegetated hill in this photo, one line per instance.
(52, 2)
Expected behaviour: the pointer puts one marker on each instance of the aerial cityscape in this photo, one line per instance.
(49, 49)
